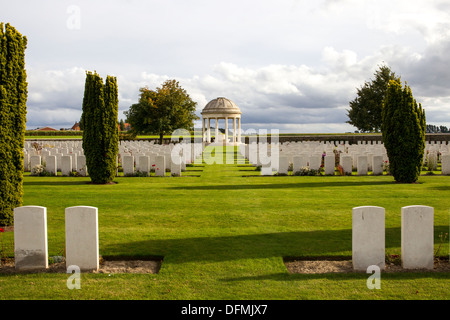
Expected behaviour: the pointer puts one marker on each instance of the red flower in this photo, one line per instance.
(1, 230)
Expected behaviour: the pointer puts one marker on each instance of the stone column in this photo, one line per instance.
(226, 129)
(217, 130)
(239, 130)
(208, 130)
(234, 130)
(203, 130)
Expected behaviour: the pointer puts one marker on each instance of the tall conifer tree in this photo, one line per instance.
(100, 130)
(13, 111)
(403, 129)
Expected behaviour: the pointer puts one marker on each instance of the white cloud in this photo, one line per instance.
(291, 63)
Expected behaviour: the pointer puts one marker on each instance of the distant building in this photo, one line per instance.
(46, 129)
(127, 127)
(76, 127)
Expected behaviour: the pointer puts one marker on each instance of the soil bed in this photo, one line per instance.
(345, 266)
(119, 266)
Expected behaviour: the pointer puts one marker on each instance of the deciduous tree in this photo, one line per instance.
(365, 109)
(162, 111)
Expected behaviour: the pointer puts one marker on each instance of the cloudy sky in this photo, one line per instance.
(291, 65)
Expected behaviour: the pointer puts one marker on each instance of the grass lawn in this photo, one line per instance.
(223, 231)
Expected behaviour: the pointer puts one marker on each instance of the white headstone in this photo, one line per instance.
(81, 165)
(82, 247)
(329, 164)
(299, 162)
(26, 161)
(314, 162)
(66, 165)
(346, 163)
(445, 163)
(377, 165)
(362, 165)
(283, 165)
(175, 169)
(74, 161)
(417, 237)
(50, 165)
(368, 237)
(143, 165)
(160, 166)
(34, 161)
(30, 238)
(128, 165)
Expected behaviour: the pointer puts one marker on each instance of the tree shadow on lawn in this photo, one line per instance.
(306, 244)
(320, 244)
(335, 276)
(318, 184)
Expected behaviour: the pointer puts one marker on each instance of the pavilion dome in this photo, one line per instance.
(221, 105)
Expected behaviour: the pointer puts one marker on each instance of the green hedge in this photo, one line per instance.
(52, 133)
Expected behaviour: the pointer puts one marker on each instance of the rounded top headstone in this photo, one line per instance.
(221, 105)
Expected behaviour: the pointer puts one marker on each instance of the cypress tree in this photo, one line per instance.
(13, 110)
(100, 131)
(403, 130)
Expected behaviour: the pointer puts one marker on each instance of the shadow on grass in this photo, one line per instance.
(296, 184)
(341, 275)
(306, 244)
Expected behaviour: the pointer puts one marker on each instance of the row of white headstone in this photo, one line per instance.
(145, 164)
(143, 156)
(149, 148)
(417, 237)
(52, 164)
(82, 246)
(363, 157)
(30, 238)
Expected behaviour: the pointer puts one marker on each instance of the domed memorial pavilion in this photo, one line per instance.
(221, 108)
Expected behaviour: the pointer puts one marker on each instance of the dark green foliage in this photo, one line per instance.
(162, 111)
(31, 133)
(437, 129)
(365, 109)
(403, 130)
(13, 110)
(100, 134)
